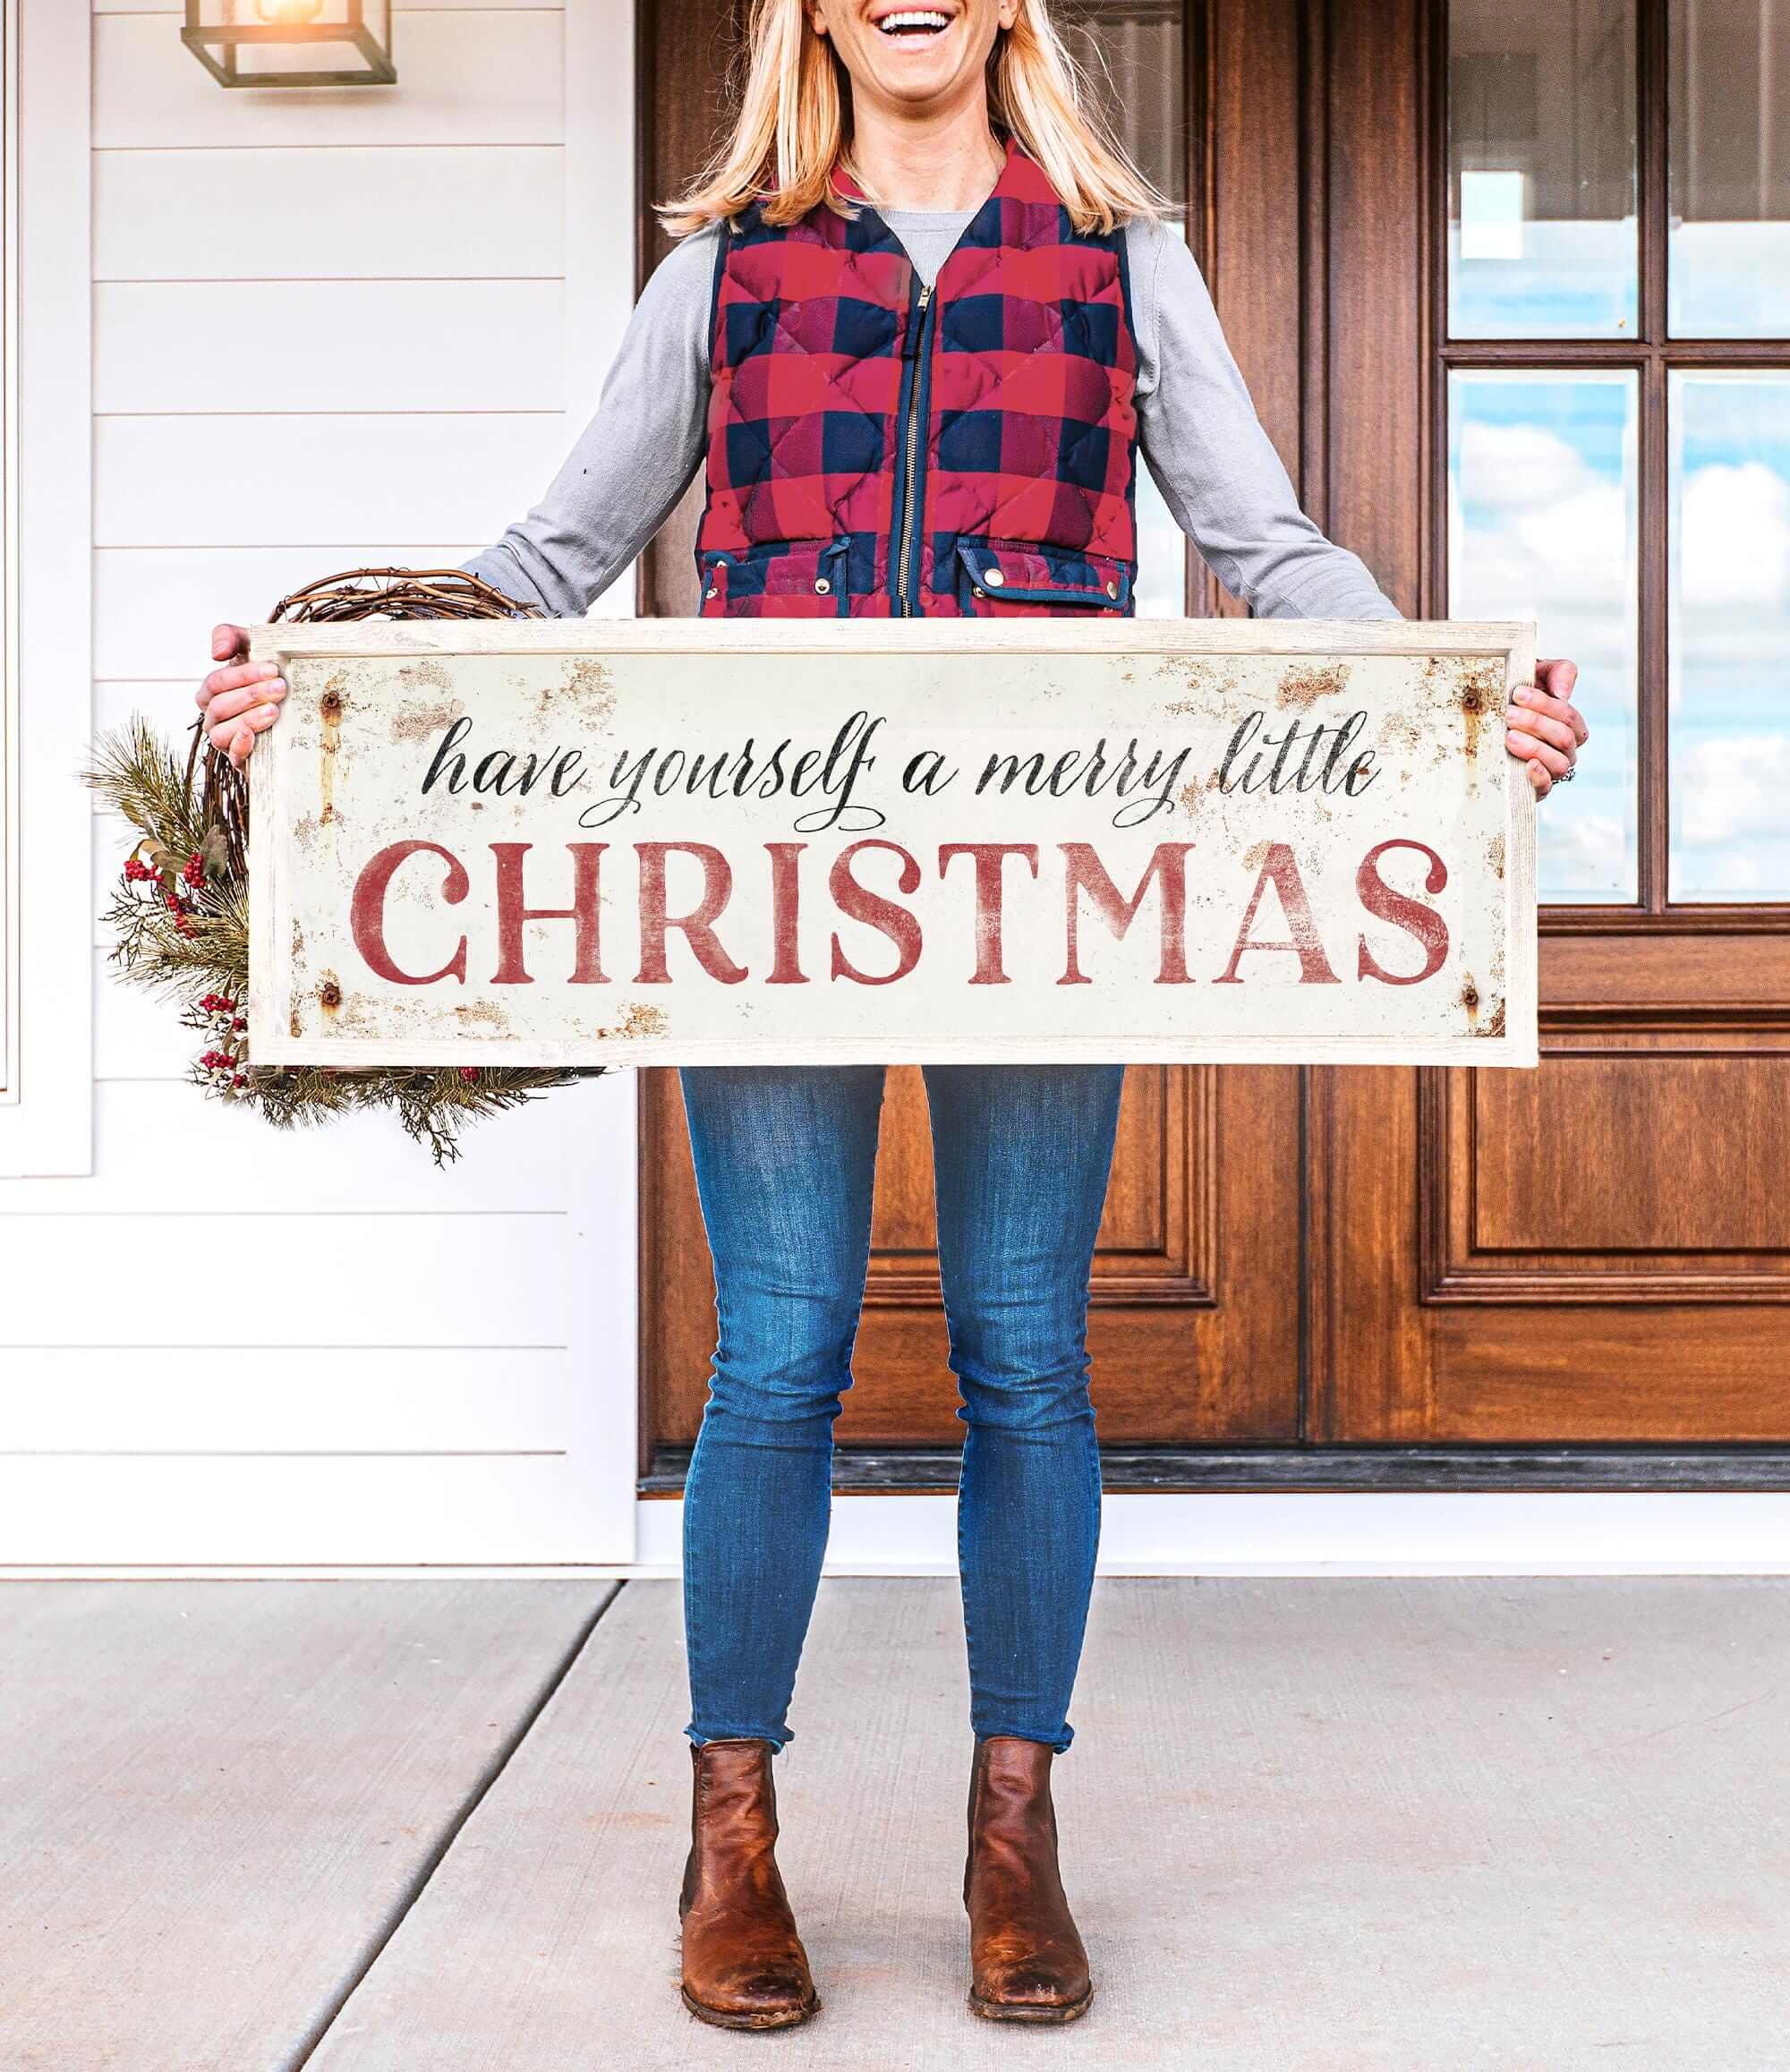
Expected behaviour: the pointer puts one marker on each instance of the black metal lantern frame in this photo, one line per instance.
(266, 43)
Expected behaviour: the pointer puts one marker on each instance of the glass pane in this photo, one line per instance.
(1131, 52)
(1730, 672)
(1541, 170)
(1728, 272)
(1542, 525)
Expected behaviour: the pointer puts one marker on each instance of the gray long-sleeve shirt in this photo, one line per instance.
(1199, 432)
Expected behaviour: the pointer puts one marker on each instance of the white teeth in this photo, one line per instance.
(918, 17)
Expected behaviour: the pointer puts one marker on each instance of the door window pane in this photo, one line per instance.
(1541, 169)
(1542, 525)
(1728, 265)
(1132, 55)
(1730, 667)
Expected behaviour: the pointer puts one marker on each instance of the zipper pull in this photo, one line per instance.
(916, 323)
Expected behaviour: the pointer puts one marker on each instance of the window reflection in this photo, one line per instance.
(1541, 170)
(1131, 54)
(1542, 525)
(1728, 267)
(1730, 670)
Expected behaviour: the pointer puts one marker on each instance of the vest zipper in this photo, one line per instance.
(904, 540)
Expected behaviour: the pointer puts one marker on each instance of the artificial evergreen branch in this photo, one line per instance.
(179, 911)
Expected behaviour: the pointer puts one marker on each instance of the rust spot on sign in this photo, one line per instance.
(1470, 1000)
(1256, 855)
(418, 722)
(426, 674)
(638, 1020)
(1473, 686)
(1402, 729)
(588, 685)
(1495, 1022)
(1188, 797)
(1209, 681)
(330, 994)
(1495, 854)
(294, 1021)
(1301, 688)
(329, 710)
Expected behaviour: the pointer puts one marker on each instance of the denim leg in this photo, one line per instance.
(1021, 1155)
(785, 1160)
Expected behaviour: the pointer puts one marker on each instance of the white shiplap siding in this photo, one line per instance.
(329, 329)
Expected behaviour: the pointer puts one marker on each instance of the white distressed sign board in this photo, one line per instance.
(814, 841)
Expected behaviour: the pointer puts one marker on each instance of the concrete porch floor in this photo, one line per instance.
(1309, 1827)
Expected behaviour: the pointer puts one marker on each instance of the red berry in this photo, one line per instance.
(239, 1025)
(239, 1080)
(468, 1072)
(194, 873)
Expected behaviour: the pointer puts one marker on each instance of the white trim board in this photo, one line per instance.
(46, 1117)
(1329, 1533)
(598, 43)
(1544, 1533)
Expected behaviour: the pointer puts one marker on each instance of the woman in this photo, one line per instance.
(924, 318)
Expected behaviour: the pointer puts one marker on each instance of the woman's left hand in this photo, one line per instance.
(1544, 729)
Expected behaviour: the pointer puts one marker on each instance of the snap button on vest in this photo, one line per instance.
(993, 578)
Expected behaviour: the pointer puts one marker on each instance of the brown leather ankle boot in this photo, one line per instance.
(743, 1963)
(1027, 1958)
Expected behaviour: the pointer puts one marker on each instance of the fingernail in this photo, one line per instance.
(277, 690)
(269, 670)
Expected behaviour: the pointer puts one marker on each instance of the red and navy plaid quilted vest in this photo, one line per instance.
(880, 449)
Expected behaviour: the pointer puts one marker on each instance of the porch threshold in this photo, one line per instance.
(930, 1471)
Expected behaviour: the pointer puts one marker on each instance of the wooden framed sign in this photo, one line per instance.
(812, 841)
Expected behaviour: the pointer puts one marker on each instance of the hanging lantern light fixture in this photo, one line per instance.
(292, 42)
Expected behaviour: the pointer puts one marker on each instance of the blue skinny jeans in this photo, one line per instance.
(785, 1159)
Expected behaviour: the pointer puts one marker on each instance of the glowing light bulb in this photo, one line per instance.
(288, 11)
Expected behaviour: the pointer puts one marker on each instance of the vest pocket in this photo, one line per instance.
(777, 579)
(994, 574)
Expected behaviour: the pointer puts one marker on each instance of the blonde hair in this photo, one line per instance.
(790, 133)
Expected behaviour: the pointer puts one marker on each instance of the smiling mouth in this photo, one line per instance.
(913, 24)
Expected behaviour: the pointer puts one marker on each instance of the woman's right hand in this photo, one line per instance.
(241, 700)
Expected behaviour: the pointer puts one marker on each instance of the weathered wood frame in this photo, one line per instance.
(1511, 644)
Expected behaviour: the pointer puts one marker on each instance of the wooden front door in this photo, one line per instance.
(1509, 286)
(1581, 362)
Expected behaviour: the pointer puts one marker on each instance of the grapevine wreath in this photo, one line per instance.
(180, 909)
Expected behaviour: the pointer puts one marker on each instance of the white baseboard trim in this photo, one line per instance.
(1518, 1534)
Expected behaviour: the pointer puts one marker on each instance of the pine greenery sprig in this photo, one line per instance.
(179, 910)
